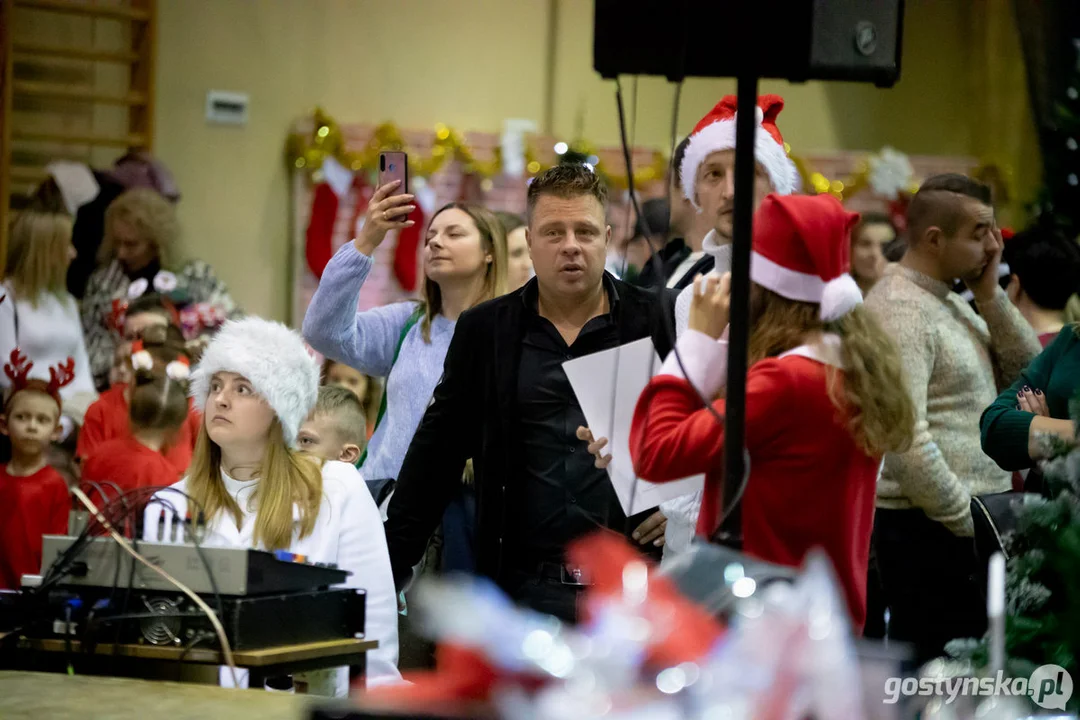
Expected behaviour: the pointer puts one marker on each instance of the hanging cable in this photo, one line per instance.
(226, 648)
(668, 323)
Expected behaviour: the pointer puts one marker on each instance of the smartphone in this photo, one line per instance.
(394, 166)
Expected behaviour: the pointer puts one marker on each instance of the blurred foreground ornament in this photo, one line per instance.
(641, 650)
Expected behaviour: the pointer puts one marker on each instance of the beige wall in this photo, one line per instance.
(470, 64)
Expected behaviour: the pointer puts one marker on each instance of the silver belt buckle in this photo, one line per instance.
(573, 576)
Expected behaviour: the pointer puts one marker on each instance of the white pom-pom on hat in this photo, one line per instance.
(178, 370)
(142, 360)
(840, 297)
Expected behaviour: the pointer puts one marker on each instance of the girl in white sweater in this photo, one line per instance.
(39, 315)
(255, 385)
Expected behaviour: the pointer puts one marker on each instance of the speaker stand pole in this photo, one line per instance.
(739, 331)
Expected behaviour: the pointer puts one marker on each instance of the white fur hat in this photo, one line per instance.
(273, 358)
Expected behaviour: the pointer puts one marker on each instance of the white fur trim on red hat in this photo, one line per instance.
(720, 135)
(275, 361)
(792, 284)
(841, 296)
(836, 297)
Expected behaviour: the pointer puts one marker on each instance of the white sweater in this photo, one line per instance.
(682, 512)
(48, 335)
(348, 532)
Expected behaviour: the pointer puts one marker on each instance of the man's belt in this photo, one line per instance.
(563, 573)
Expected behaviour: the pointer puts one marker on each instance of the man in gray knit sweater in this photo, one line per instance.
(956, 361)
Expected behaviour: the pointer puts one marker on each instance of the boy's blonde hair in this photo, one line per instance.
(345, 412)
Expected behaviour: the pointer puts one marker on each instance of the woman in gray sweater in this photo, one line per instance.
(464, 259)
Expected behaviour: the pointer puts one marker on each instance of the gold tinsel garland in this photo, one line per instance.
(307, 152)
(841, 189)
(326, 140)
(998, 177)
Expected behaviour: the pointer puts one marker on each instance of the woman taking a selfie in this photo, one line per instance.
(464, 264)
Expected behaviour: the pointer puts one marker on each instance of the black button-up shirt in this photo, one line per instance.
(560, 494)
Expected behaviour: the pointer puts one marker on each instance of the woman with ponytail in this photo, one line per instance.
(255, 384)
(825, 398)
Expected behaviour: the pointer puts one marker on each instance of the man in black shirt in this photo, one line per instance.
(505, 402)
(564, 495)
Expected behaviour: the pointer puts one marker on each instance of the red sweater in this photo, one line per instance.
(30, 507)
(130, 464)
(107, 418)
(810, 485)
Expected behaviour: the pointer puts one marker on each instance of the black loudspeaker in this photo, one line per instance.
(858, 40)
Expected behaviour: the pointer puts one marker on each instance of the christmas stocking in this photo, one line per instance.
(408, 245)
(320, 229)
(410, 240)
(319, 241)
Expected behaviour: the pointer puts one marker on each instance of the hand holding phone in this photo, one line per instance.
(391, 204)
(394, 166)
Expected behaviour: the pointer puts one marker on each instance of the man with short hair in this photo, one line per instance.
(956, 360)
(706, 172)
(707, 177)
(505, 402)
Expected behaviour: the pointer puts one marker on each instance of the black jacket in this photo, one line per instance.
(701, 267)
(472, 415)
(662, 264)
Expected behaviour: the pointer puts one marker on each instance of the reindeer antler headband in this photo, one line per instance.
(18, 371)
(114, 318)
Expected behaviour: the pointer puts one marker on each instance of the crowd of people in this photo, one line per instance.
(879, 401)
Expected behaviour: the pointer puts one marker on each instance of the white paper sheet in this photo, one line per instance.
(620, 374)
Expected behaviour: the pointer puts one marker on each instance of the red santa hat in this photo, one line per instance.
(801, 252)
(716, 131)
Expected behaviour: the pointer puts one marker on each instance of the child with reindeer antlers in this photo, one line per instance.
(33, 496)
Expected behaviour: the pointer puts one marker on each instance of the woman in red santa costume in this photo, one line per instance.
(825, 397)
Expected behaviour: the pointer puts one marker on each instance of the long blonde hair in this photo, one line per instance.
(872, 390)
(37, 254)
(285, 477)
(493, 240)
(151, 215)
